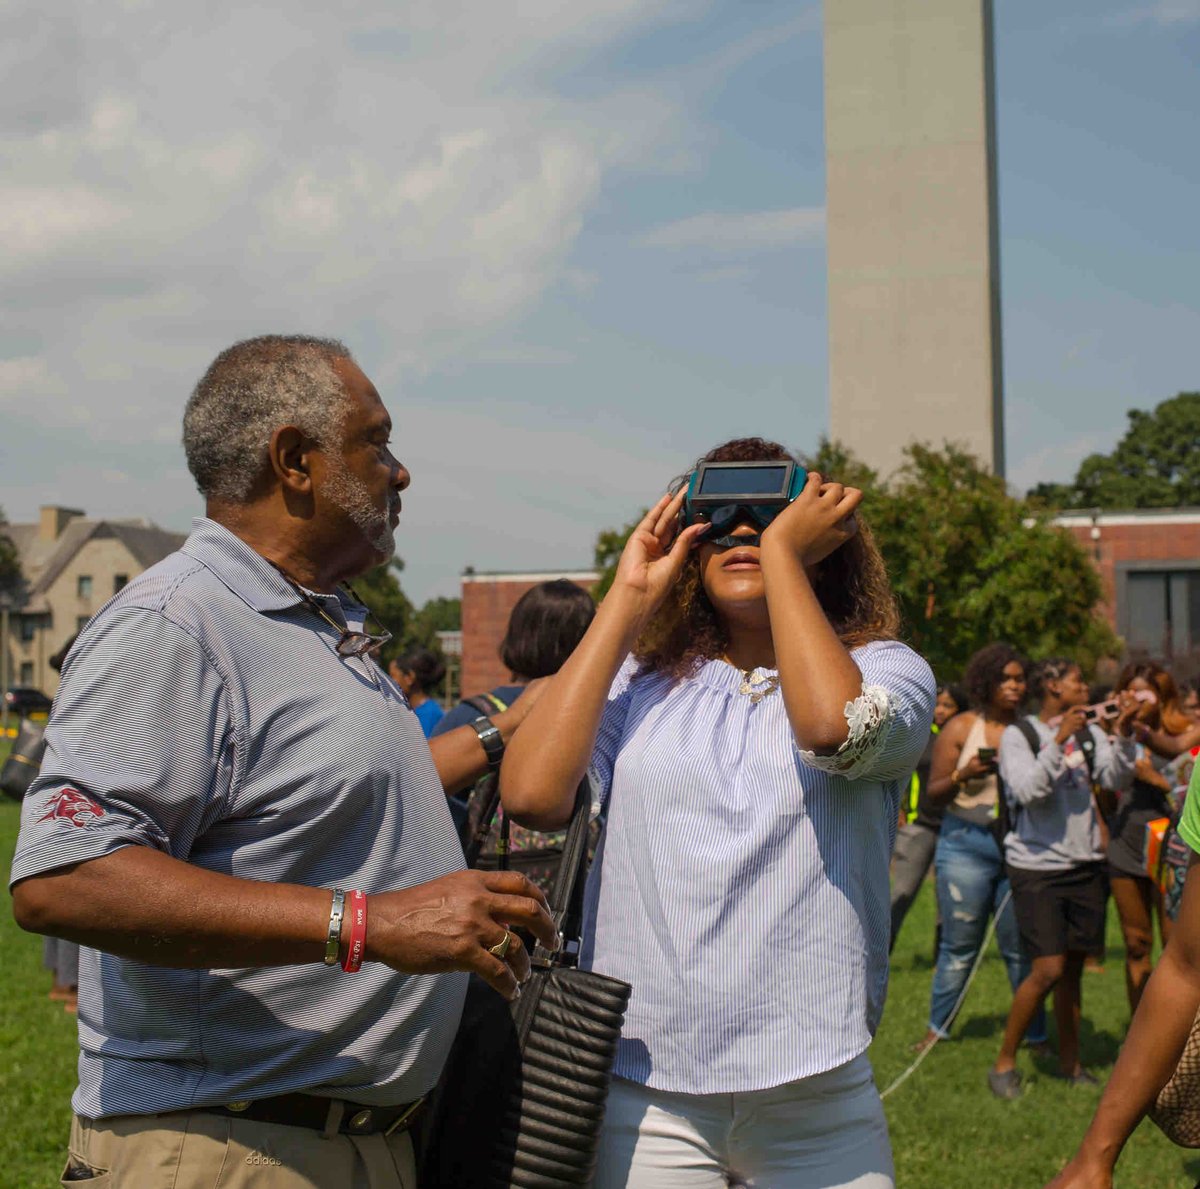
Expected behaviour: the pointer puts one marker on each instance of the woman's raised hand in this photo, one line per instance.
(655, 554)
(818, 521)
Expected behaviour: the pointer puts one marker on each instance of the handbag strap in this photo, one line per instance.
(488, 791)
(566, 898)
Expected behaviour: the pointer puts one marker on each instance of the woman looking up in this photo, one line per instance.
(969, 864)
(751, 752)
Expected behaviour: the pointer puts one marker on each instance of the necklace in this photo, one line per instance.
(756, 684)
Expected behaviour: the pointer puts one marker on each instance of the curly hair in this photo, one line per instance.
(851, 585)
(985, 672)
(1168, 712)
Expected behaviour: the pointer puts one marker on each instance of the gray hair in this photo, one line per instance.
(249, 391)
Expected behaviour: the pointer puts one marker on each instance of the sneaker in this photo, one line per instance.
(1005, 1085)
(1083, 1078)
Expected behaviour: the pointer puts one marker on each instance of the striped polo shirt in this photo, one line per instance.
(205, 712)
(740, 888)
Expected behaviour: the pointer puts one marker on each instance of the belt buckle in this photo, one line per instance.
(404, 1118)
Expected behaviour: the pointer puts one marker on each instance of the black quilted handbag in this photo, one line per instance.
(521, 1100)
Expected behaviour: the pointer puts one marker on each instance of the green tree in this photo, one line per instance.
(969, 563)
(436, 615)
(12, 581)
(1155, 465)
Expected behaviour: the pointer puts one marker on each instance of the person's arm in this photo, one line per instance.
(1171, 746)
(945, 777)
(142, 904)
(458, 753)
(547, 758)
(817, 674)
(1151, 1051)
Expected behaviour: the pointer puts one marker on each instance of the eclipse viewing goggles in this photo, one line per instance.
(726, 494)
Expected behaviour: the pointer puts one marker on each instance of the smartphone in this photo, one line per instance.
(987, 755)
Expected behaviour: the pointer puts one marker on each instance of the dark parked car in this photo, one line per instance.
(24, 700)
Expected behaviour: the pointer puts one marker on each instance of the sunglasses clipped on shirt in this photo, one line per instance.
(350, 643)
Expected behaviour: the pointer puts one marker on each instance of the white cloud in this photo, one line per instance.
(749, 231)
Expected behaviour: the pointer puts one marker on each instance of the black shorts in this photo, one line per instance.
(1059, 911)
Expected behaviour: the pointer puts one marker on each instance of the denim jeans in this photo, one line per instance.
(971, 886)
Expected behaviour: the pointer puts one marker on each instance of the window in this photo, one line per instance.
(27, 672)
(83, 586)
(29, 627)
(81, 622)
(1162, 612)
(120, 581)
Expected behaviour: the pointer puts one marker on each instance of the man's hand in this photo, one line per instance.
(818, 521)
(450, 924)
(655, 553)
(1073, 721)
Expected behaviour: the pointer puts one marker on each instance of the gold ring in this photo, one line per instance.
(500, 949)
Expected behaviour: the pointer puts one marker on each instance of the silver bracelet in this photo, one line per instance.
(333, 942)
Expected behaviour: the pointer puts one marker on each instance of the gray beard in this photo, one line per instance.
(350, 494)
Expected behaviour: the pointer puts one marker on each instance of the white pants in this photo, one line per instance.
(823, 1132)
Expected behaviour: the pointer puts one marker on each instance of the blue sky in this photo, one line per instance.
(575, 245)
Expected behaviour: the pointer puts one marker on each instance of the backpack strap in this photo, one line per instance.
(487, 704)
(1086, 743)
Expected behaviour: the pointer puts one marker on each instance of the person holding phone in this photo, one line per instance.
(748, 718)
(1050, 765)
(969, 865)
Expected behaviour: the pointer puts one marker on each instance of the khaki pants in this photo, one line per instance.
(199, 1150)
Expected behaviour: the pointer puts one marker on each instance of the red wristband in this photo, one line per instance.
(356, 914)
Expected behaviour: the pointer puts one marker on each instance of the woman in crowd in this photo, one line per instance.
(969, 865)
(1144, 798)
(920, 821)
(1054, 852)
(546, 624)
(1160, 1029)
(748, 717)
(418, 673)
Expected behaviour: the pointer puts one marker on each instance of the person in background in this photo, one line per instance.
(418, 673)
(916, 840)
(1160, 1029)
(971, 882)
(1189, 693)
(1054, 852)
(751, 752)
(1145, 797)
(546, 624)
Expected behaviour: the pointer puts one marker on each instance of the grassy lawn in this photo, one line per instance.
(947, 1130)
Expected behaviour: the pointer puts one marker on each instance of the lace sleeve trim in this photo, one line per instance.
(869, 717)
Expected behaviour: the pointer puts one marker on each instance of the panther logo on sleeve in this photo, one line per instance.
(70, 805)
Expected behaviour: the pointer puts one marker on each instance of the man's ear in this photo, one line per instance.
(289, 452)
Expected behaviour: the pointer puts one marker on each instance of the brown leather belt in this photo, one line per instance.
(310, 1110)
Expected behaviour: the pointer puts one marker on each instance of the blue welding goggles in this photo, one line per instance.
(726, 494)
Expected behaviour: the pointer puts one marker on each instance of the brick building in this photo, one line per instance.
(1149, 563)
(487, 602)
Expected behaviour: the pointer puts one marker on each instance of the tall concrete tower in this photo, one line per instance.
(914, 267)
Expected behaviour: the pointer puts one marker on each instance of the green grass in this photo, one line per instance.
(37, 1040)
(947, 1130)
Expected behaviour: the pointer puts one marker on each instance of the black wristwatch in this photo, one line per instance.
(492, 740)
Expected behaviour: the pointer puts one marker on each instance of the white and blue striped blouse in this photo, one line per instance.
(741, 889)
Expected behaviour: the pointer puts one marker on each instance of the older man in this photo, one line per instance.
(227, 770)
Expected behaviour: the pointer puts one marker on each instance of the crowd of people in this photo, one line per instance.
(257, 835)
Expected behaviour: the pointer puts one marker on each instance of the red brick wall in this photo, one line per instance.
(486, 607)
(1136, 543)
